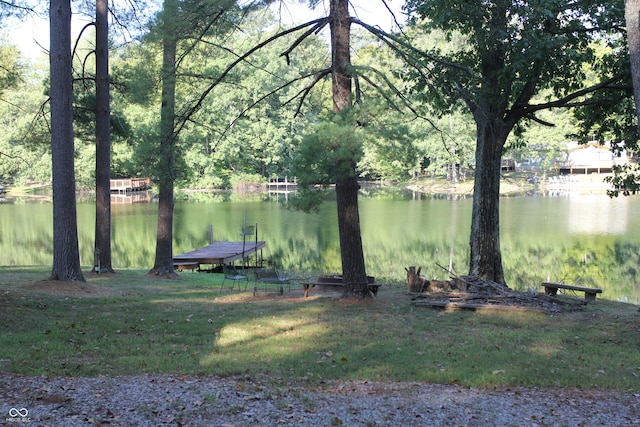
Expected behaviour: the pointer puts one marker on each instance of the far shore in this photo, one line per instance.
(513, 183)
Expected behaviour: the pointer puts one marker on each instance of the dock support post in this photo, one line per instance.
(96, 260)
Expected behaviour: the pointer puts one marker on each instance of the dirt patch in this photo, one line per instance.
(70, 288)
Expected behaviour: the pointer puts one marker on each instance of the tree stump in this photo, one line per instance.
(415, 282)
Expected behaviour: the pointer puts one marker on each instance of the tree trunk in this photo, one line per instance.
(351, 253)
(66, 255)
(103, 141)
(486, 257)
(632, 18)
(164, 252)
(354, 275)
(415, 282)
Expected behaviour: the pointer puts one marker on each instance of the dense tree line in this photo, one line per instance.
(225, 141)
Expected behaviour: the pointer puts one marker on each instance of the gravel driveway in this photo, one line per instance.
(173, 400)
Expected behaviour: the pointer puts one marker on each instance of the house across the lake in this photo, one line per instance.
(591, 158)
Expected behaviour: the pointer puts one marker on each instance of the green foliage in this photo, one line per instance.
(11, 69)
(135, 76)
(613, 117)
(625, 180)
(513, 50)
(243, 181)
(24, 142)
(328, 152)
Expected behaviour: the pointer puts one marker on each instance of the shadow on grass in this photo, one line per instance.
(189, 326)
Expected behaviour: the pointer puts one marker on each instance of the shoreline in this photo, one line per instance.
(512, 184)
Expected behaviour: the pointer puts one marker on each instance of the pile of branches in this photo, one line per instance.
(472, 293)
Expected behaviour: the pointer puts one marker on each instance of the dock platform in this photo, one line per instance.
(128, 185)
(219, 253)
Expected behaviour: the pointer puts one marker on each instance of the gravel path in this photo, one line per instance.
(173, 400)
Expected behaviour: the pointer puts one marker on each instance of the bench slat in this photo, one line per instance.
(571, 287)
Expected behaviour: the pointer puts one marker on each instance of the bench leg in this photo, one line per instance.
(551, 291)
(307, 288)
(590, 297)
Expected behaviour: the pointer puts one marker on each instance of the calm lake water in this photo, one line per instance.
(590, 240)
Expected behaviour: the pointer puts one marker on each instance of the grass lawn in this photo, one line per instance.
(129, 323)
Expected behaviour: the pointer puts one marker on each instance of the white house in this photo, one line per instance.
(591, 158)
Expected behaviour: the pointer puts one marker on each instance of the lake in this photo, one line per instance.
(588, 240)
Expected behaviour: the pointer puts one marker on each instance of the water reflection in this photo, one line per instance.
(592, 214)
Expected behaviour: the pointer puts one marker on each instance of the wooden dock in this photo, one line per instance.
(219, 253)
(282, 186)
(128, 185)
(130, 198)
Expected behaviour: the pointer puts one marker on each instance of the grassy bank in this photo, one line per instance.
(129, 323)
(517, 183)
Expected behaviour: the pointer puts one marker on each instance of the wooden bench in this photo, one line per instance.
(179, 265)
(551, 288)
(373, 287)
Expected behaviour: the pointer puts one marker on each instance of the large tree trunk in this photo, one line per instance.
(354, 275)
(632, 18)
(103, 141)
(353, 266)
(66, 255)
(486, 257)
(164, 252)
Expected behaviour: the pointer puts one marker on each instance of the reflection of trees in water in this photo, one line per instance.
(598, 261)
(397, 232)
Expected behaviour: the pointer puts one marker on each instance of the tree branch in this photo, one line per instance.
(566, 101)
(386, 37)
(230, 67)
(320, 25)
(305, 92)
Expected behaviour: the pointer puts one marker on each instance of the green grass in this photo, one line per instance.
(146, 325)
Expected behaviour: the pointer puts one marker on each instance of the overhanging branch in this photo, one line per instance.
(567, 101)
(386, 38)
(319, 75)
(198, 104)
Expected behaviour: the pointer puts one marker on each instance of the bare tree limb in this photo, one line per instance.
(387, 38)
(318, 74)
(305, 92)
(198, 104)
(300, 39)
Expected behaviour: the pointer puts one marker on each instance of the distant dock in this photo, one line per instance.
(282, 186)
(129, 185)
(130, 190)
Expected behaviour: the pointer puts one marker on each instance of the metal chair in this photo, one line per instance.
(231, 272)
(271, 274)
